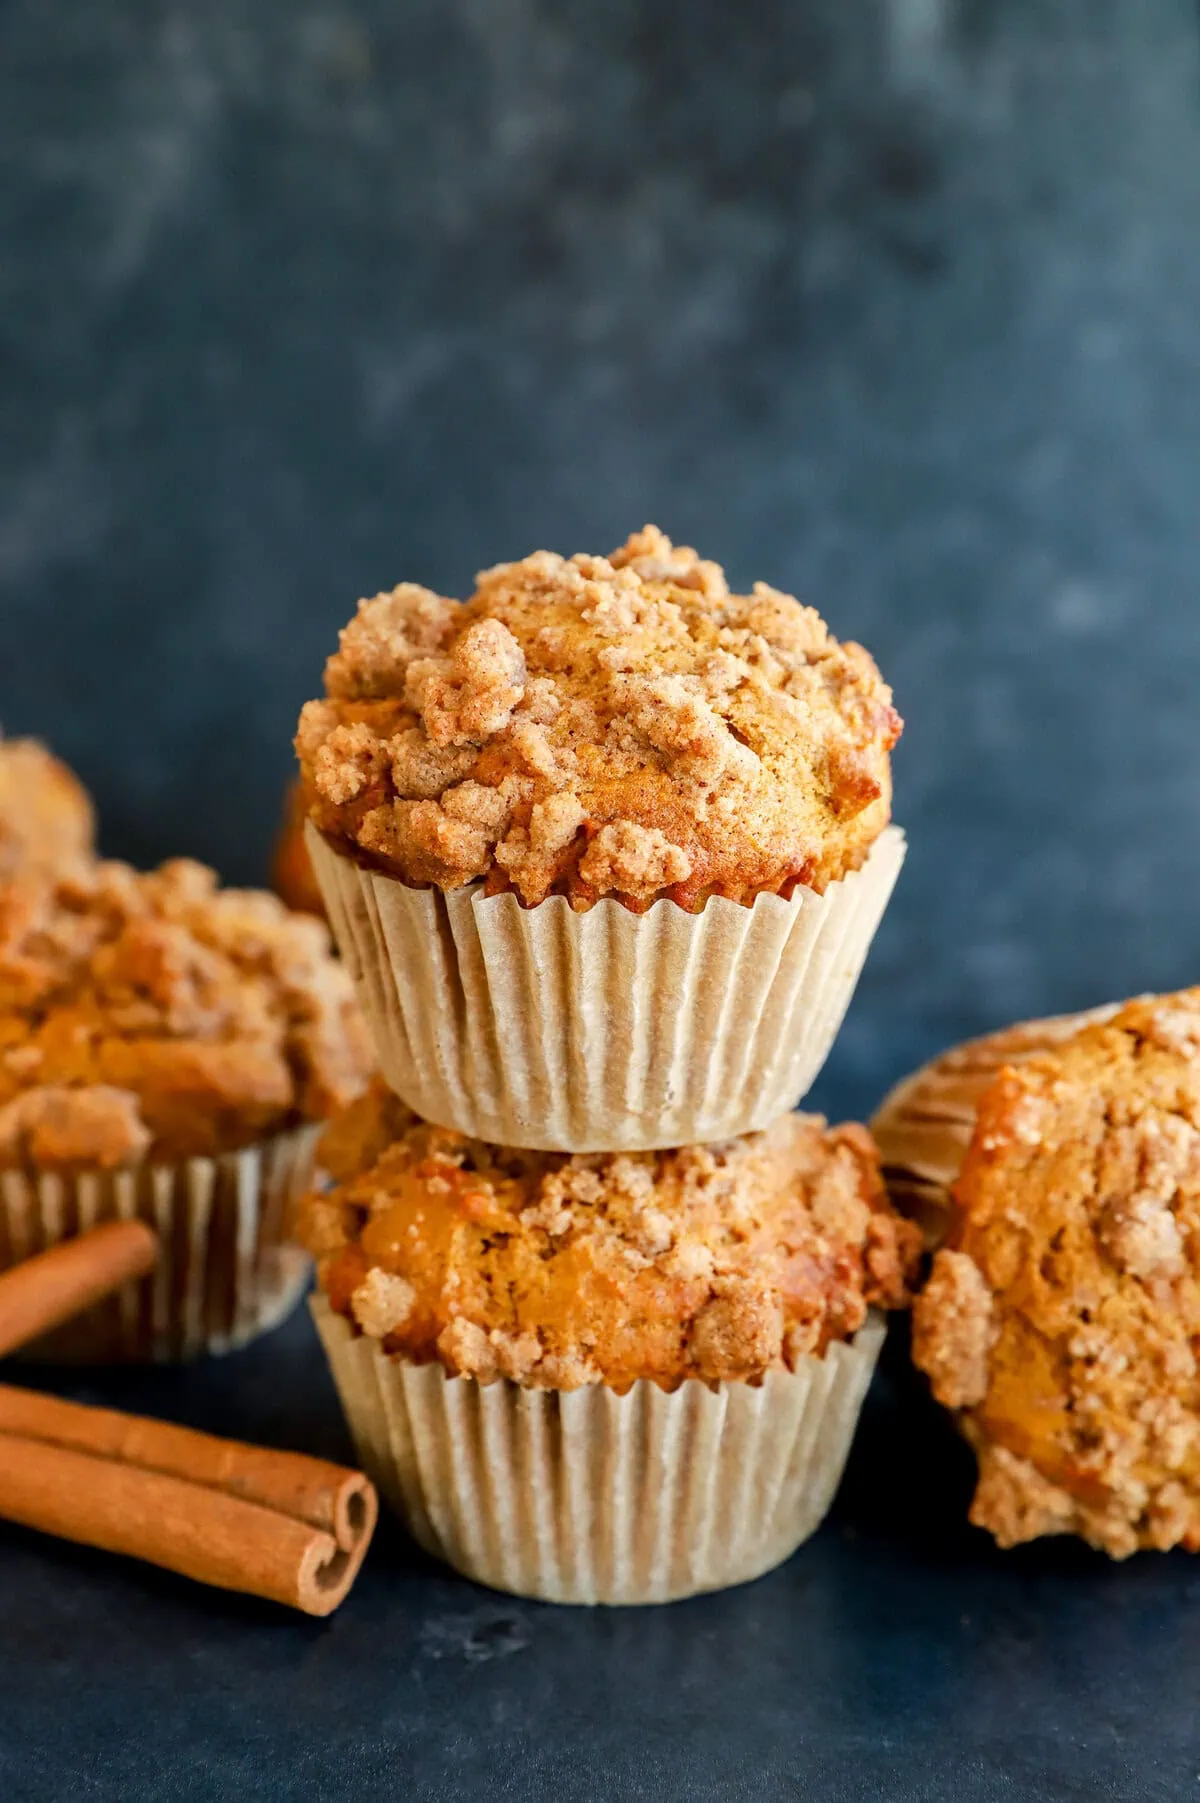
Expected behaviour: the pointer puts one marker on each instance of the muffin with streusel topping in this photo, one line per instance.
(599, 767)
(46, 816)
(925, 1124)
(1061, 1317)
(604, 1377)
(167, 1049)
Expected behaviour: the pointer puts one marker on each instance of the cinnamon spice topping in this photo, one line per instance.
(594, 726)
(717, 1262)
(158, 1016)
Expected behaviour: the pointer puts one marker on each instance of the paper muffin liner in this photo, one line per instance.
(602, 1031)
(224, 1274)
(587, 1496)
(924, 1126)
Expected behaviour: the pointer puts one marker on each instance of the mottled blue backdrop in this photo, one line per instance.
(894, 303)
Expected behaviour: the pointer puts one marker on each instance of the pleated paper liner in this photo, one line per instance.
(225, 1274)
(587, 1496)
(602, 1030)
(925, 1124)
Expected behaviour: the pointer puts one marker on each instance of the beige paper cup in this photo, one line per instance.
(924, 1126)
(224, 1275)
(602, 1031)
(587, 1496)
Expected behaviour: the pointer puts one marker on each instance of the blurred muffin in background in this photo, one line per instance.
(46, 815)
(167, 1049)
(1061, 1319)
(510, 1331)
(291, 870)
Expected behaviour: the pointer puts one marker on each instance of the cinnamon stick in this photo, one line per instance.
(274, 1524)
(204, 1534)
(315, 1491)
(50, 1288)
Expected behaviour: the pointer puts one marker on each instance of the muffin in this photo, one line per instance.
(167, 1050)
(604, 848)
(604, 1378)
(46, 817)
(1061, 1319)
(292, 874)
(924, 1125)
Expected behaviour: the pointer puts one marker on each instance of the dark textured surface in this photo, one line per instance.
(896, 1657)
(895, 304)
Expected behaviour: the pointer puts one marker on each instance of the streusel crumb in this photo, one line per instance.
(157, 1016)
(1063, 1318)
(593, 726)
(46, 817)
(714, 1262)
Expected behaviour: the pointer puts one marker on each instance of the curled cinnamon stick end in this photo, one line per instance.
(326, 1496)
(202, 1533)
(54, 1286)
(275, 1524)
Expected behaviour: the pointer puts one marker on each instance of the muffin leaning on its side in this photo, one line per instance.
(1061, 1318)
(924, 1125)
(604, 1378)
(46, 816)
(166, 1050)
(605, 847)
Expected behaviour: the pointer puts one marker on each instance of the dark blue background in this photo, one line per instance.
(895, 304)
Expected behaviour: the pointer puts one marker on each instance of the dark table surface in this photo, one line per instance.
(894, 305)
(897, 1656)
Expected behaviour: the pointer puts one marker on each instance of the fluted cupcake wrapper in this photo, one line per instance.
(587, 1496)
(602, 1031)
(224, 1274)
(925, 1125)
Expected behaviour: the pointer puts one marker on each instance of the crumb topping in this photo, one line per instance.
(159, 1016)
(716, 1262)
(593, 726)
(1064, 1315)
(46, 819)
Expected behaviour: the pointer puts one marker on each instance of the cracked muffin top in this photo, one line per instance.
(46, 818)
(1063, 1317)
(593, 726)
(554, 1270)
(157, 1016)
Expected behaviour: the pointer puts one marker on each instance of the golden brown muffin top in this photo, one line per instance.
(1063, 1317)
(157, 1016)
(46, 818)
(555, 1270)
(593, 726)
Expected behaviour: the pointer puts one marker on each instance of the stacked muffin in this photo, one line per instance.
(167, 1050)
(604, 850)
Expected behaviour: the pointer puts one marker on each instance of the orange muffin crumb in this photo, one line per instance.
(593, 726)
(46, 816)
(715, 1262)
(157, 1016)
(1062, 1319)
